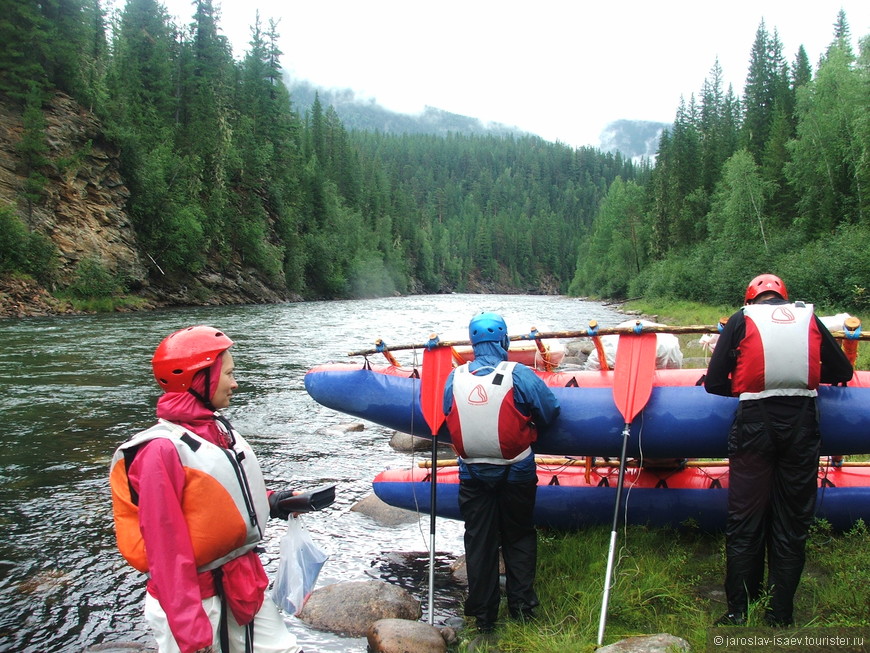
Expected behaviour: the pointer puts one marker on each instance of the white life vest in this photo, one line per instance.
(780, 355)
(485, 424)
(224, 502)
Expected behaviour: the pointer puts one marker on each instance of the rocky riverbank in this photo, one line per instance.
(21, 297)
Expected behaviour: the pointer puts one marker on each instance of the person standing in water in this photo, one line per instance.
(190, 506)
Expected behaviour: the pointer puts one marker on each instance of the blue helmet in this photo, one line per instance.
(488, 327)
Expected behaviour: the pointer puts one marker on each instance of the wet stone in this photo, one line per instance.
(351, 608)
(400, 635)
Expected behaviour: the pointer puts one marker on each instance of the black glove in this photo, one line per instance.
(286, 502)
(275, 509)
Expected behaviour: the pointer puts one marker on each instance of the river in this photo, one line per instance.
(73, 387)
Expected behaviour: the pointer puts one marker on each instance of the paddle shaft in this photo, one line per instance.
(632, 386)
(437, 364)
(586, 333)
(602, 355)
(611, 552)
(386, 352)
(620, 477)
(599, 347)
(433, 494)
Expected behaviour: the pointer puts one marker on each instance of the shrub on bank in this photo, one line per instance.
(24, 251)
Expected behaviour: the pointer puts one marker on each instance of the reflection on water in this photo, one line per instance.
(73, 388)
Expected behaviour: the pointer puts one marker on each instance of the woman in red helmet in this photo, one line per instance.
(772, 354)
(190, 505)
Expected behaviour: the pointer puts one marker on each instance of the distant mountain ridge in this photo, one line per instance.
(367, 115)
(634, 139)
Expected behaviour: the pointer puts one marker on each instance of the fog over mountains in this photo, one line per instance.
(634, 139)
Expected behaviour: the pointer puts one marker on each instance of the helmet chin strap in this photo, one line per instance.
(207, 403)
(205, 400)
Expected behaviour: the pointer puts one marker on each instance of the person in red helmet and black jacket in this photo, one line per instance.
(772, 354)
(190, 506)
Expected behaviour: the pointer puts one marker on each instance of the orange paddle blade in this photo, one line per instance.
(437, 364)
(633, 373)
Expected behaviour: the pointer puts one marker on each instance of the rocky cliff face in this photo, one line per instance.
(84, 212)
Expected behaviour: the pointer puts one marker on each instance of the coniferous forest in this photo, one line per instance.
(224, 169)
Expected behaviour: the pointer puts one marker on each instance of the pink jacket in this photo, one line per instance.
(157, 475)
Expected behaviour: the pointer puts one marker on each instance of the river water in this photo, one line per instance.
(73, 388)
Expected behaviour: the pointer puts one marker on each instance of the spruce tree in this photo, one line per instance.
(825, 168)
(24, 33)
(33, 147)
(766, 86)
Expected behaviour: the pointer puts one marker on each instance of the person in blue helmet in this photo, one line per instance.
(494, 409)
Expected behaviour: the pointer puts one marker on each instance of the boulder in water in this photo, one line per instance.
(386, 515)
(407, 442)
(351, 608)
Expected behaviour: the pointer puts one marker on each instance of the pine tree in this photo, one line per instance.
(773, 162)
(832, 141)
(767, 85)
(68, 40)
(206, 127)
(717, 129)
(33, 148)
(842, 34)
(95, 58)
(24, 33)
(801, 72)
(686, 169)
(142, 78)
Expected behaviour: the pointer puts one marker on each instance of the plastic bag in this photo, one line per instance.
(835, 322)
(299, 566)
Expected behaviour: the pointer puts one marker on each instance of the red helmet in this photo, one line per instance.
(183, 353)
(765, 283)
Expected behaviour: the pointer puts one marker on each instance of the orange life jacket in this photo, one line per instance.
(224, 500)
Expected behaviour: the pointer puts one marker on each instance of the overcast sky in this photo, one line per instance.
(562, 69)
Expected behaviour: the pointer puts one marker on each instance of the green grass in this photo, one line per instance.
(681, 312)
(670, 581)
(105, 304)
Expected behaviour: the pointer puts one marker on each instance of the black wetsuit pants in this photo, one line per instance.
(774, 455)
(499, 514)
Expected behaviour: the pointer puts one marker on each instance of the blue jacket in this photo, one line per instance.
(531, 396)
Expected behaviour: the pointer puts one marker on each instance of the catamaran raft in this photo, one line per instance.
(680, 421)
